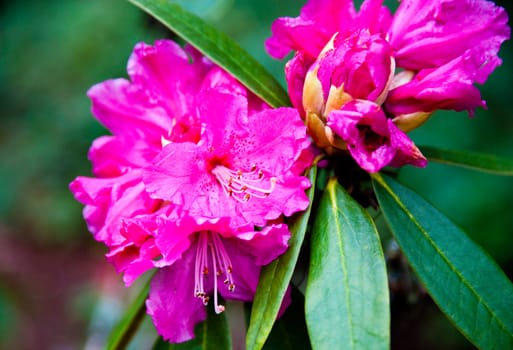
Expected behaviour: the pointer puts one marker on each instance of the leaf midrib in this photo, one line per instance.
(380, 180)
(336, 210)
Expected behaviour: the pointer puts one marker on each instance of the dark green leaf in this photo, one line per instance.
(463, 280)
(161, 344)
(472, 160)
(347, 302)
(275, 278)
(218, 47)
(289, 332)
(212, 334)
(126, 328)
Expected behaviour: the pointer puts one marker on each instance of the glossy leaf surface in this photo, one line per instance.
(472, 160)
(347, 302)
(289, 331)
(463, 280)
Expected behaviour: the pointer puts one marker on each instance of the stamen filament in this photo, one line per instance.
(242, 186)
(217, 307)
(210, 242)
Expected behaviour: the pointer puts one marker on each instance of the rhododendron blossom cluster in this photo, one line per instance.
(199, 175)
(194, 181)
(361, 79)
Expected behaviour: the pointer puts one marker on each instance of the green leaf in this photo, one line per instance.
(161, 344)
(275, 278)
(218, 47)
(347, 302)
(289, 332)
(127, 326)
(472, 160)
(212, 334)
(463, 280)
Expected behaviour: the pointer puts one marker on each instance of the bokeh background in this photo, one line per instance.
(56, 290)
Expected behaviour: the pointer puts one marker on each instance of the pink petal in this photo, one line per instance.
(245, 271)
(319, 20)
(113, 156)
(374, 16)
(271, 140)
(127, 259)
(267, 244)
(179, 176)
(309, 33)
(174, 238)
(448, 87)
(372, 139)
(428, 34)
(126, 109)
(167, 76)
(295, 73)
(359, 61)
(174, 309)
(406, 151)
(112, 199)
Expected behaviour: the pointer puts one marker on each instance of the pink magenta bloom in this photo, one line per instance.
(373, 140)
(204, 259)
(441, 48)
(194, 162)
(139, 113)
(366, 70)
(243, 167)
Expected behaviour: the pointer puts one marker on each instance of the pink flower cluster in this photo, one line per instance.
(361, 79)
(199, 173)
(194, 181)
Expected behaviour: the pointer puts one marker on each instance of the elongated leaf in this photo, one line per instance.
(218, 47)
(472, 160)
(212, 334)
(127, 326)
(275, 278)
(347, 303)
(465, 283)
(289, 332)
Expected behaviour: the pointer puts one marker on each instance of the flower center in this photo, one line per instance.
(209, 243)
(371, 139)
(242, 185)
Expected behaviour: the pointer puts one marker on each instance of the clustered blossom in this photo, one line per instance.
(194, 180)
(199, 173)
(361, 79)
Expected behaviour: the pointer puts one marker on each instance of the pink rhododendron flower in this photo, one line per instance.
(139, 113)
(241, 168)
(194, 163)
(373, 140)
(205, 258)
(426, 57)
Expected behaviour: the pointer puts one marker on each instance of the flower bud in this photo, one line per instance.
(356, 65)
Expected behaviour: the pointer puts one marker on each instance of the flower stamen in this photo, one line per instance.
(210, 242)
(242, 186)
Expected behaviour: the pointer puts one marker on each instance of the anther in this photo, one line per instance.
(219, 309)
(241, 185)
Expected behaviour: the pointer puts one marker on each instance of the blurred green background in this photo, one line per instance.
(56, 291)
